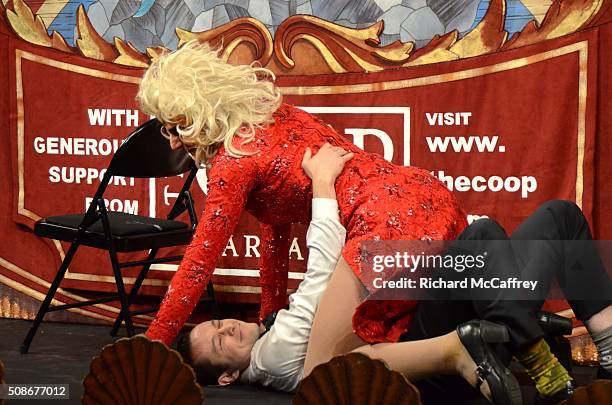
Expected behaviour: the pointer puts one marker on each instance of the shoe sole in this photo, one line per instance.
(515, 396)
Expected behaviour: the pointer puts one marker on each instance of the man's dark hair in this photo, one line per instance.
(206, 373)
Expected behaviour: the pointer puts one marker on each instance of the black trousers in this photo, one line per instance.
(543, 248)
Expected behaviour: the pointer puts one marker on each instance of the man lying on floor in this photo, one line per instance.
(277, 354)
(273, 353)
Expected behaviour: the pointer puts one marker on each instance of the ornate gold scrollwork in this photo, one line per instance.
(128, 55)
(343, 49)
(27, 25)
(437, 50)
(58, 42)
(488, 36)
(563, 17)
(90, 43)
(236, 32)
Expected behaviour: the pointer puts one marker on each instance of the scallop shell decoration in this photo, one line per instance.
(139, 371)
(599, 392)
(355, 379)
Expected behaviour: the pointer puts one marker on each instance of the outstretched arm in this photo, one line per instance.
(230, 182)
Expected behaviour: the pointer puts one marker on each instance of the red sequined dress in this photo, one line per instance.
(377, 200)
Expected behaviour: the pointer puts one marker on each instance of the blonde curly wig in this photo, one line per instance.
(209, 100)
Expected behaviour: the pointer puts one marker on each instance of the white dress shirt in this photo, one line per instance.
(277, 358)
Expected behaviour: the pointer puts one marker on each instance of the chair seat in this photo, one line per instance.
(130, 232)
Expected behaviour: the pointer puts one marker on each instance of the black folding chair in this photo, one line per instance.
(144, 154)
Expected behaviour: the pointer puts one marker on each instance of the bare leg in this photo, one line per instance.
(424, 358)
(421, 358)
(332, 328)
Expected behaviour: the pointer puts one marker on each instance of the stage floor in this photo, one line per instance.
(61, 353)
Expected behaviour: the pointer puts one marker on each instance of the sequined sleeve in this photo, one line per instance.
(274, 265)
(230, 181)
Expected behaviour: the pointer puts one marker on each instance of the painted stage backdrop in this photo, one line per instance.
(504, 101)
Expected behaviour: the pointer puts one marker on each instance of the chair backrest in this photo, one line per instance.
(146, 153)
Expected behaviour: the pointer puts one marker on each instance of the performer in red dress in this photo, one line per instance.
(259, 169)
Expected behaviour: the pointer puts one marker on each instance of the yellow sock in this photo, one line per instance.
(544, 368)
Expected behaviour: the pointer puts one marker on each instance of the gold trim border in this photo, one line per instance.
(580, 47)
(40, 296)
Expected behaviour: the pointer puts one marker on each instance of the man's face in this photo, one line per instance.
(224, 343)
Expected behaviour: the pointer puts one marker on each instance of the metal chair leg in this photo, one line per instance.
(25, 346)
(125, 309)
(134, 291)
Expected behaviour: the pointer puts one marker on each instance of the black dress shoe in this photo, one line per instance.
(476, 336)
(562, 395)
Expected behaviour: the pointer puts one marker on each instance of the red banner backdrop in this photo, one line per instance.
(505, 131)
